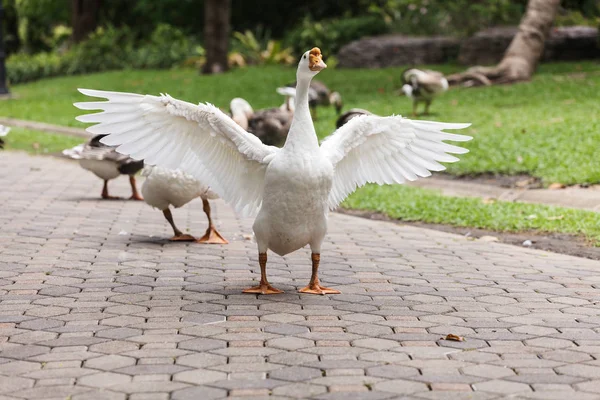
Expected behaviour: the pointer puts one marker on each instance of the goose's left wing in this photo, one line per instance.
(199, 139)
(386, 150)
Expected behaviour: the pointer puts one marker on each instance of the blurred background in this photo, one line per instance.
(57, 37)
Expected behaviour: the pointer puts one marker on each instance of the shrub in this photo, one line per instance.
(442, 17)
(249, 48)
(330, 35)
(106, 49)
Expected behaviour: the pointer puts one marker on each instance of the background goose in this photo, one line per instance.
(3, 132)
(348, 115)
(270, 125)
(106, 164)
(423, 86)
(318, 95)
(288, 189)
(166, 187)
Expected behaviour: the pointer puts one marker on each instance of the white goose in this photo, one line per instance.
(166, 187)
(292, 188)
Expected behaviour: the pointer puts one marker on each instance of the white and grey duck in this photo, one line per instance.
(106, 163)
(422, 86)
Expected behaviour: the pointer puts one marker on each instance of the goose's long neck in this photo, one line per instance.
(302, 130)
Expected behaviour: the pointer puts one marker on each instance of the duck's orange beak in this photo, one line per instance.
(316, 60)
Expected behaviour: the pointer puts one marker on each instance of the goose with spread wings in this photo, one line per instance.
(290, 189)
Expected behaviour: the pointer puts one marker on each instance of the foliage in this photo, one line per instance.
(576, 18)
(330, 35)
(36, 21)
(440, 17)
(106, 49)
(252, 50)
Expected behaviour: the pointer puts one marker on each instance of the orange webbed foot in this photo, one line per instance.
(318, 289)
(183, 238)
(263, 288)
(212, 237)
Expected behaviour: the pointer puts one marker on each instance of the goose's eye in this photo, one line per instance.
(304, 56)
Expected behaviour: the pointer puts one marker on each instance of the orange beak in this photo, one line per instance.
(316, 60)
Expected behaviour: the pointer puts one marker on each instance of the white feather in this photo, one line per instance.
(199, 139)
(4, 130)
(382, 150)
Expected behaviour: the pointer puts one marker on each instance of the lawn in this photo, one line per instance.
(415, 204)
(37, 142)
(549, 128)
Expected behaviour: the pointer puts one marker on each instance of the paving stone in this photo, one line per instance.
(100, 315)
(488, 371)
(12, 384)
(99, 395)
(109, 362)
(104, 379)
(202, 344)
(199, 392)
(199, 376)
(295, 374)
(392, 371)
(504, 387)
(290, 343)
(400, 386)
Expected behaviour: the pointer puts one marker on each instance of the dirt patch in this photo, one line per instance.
(572, 245)
(521, 181)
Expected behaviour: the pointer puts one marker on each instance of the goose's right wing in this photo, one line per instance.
(200, 139)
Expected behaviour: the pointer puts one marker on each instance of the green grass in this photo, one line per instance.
(37, 142)
(549, 128)
(415, 204)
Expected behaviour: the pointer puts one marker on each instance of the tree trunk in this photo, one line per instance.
(84, 18)
(522, 56)
(217, 15)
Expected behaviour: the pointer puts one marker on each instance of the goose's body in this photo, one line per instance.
(3, 132)
(164, 188)
(289, 189)
(106, 163)
(423, 86)
(294, 179)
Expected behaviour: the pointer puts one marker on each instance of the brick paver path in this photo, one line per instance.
(94, 304)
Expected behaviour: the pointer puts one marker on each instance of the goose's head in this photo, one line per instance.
(311, 63)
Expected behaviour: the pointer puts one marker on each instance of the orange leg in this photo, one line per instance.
(178, 236)
(314, 286)
(134, 193)
(105, 194)
(211, 236)
(264, 287)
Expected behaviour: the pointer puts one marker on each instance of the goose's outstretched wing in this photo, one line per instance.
(385, 150)
(199, 139)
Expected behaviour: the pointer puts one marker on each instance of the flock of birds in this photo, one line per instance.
(187, 151)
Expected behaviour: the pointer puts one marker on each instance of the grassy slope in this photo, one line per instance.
(548, 128)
